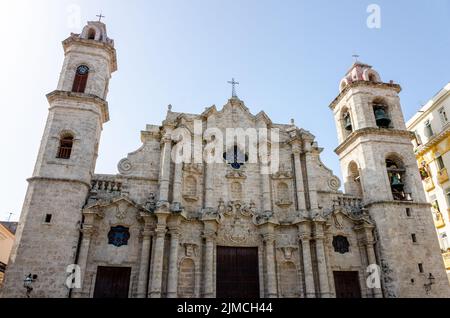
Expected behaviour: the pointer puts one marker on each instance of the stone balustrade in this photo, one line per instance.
(107, 183)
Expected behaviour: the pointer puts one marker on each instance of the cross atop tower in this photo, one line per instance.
(100, 16)
(355, 56)
(233, 85)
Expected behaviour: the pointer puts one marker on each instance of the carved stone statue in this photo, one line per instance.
(221, 209)
(150, 204)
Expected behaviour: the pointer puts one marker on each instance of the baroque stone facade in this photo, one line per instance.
(167, 226)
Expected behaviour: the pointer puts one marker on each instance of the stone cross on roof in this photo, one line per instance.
(100, 16)
(233, 85)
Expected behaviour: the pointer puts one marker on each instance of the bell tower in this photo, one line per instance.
(49, 228)
(378, 164)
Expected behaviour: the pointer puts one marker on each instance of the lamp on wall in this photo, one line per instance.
(428, 285)
(28, 283)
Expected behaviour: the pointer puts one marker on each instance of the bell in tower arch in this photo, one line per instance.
(381, 118)
(396, 182)
(348, 122)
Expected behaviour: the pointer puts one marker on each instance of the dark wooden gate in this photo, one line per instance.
(237, 272)
(347, 285)
(112, 282)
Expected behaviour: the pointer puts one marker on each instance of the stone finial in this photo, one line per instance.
(169, 107)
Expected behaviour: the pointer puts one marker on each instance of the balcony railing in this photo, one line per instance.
(443, 176)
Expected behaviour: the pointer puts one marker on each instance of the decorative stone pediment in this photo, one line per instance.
(342, 214)
(237, 208)
(190, 198)
(193, 168)
(117, 210)
(238, 221)
(235, 175)
(283, 173)
(284, 203)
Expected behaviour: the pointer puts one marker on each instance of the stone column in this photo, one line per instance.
(376, 292)
(177, 183)
(145, 257)
(210, 238)
(158, 255)
(265, 183)
(269, 240)
(296, 148)
(209, 194)
(88, 231)
(164, 176)
(322, 262)
(311, 168)
(305, 238)
(208, 162)
(371, 259)
(172, 284)
(145, 260)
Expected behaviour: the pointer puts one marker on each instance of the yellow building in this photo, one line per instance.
(7, 231)
(431, 126)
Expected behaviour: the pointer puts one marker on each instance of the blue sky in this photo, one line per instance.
(289, 57)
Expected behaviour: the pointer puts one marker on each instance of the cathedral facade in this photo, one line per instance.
(270, 223)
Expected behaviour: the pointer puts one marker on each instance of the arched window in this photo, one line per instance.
(397, 174)
(81, 76)
(381, 112)
(346, 122)
(354, 186)
(65, 146)
(91, 34)
(372, 77)
(235, 158)
(428, 129)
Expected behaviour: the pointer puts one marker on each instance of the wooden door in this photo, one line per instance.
(347, 284)
(112, 282)
(237, 272)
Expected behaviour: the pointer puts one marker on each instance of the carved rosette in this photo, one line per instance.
(125, 166)
(334, 183)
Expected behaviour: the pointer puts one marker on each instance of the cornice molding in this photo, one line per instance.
(59, 180)
(371, 130)
(420, 151)
(81, 97)
(396, 87)
(74, 38)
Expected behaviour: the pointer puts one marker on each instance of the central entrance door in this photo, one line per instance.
(237, 272)
(347, 284)
(112, 282)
